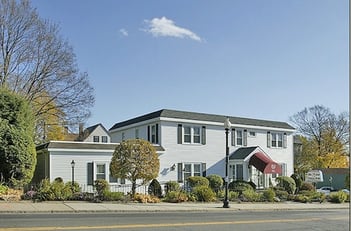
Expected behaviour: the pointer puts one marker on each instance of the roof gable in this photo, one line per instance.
(202, 117)
(242, 153)
(89, 130)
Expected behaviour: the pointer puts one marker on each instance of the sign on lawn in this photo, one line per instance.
(314, 176)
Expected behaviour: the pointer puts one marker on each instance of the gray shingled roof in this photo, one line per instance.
(202, 117)
(84, 145)
(242, 153)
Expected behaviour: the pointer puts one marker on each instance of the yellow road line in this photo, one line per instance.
(128, 226)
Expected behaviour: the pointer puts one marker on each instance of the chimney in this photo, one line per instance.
(81, 129)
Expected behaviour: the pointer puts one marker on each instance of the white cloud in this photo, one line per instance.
(159, 27)
(124, 32)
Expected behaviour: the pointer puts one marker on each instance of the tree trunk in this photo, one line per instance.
(133, 188)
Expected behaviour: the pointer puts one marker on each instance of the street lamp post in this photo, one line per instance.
(227, 126)
(72, 165)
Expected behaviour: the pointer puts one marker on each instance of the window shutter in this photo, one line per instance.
(156, 133)
(203, 134)
(180, 135)
(285, 140)
(90, 177)
(245, 138)
(148, 133)
(180, 172)
(233, 137)
(203, 167)
(268, 139)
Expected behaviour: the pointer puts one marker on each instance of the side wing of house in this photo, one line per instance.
(97, 134)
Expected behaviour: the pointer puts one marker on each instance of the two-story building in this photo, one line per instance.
(188, 144)
(194, 144)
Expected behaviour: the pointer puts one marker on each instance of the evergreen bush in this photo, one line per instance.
(155, 188)
(268, 195)
(215, 182)
(171, 186)
(195, 181)
(239, 186)
(287, 183)
(204, 193)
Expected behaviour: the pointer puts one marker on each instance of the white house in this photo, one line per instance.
(194, 145)
(188, 144)
(91, 152)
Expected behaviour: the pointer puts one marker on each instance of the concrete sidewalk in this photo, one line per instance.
(88, 207)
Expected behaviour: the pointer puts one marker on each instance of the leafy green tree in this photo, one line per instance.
(133, 160)
(17, 149)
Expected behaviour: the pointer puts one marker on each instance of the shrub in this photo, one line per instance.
(44, 192)
(176, 196)
(60, 190)
(233, 196)
(56, 190)
(281, 194)
(215, 182)
(338, 197)
(306, 186)
(3, 189)
(239, 186)
(298, 181)
(301, 198)
(287, 183)
(195, 181)
(251, 196)
(113, 196)
(142, 198)
(204, 193)
(101, 186)
(155, 188)
(269, 195)
(171, 186)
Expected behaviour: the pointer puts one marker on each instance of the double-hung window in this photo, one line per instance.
(96, 139)
(104, 139)
(153, 134)
(277, 140)
(239, 137)
(101, 171)
(196, 135)
(192, 135)
(187, 134)
(192, 169)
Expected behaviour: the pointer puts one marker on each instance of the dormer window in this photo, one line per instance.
(104, 139)
(96, 139)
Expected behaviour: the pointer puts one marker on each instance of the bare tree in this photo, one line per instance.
(317, 123)
(36, 62)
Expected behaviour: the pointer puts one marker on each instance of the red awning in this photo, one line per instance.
(265, 164)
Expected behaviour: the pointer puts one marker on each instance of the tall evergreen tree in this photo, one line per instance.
(17, 149)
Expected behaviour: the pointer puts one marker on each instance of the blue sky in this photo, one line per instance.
(264, 59)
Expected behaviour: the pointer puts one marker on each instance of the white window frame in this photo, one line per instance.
(137, 133)
(277, 139)
(190, 136)
(96, 170)
(252, 133)
(96, 139)
(102, 139)
(192, 169)
(153, 134)
(241, 137)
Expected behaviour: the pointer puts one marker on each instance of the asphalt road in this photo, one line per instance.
(234, 220)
